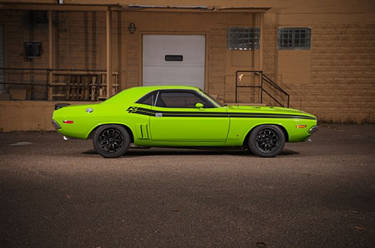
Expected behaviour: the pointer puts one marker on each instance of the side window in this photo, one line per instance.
(148, 99)
(181, 99)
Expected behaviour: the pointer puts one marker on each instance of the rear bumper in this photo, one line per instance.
(56, 125)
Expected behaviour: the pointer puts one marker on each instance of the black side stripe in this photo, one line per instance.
(149, 112)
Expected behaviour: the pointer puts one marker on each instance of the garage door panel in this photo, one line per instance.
(183, 76)
(189, 71)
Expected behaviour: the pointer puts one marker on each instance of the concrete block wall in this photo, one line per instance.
(28, 115)
(342, 84)
(334, 80)
(342, 73)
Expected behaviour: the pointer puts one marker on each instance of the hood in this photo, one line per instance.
(265, 109)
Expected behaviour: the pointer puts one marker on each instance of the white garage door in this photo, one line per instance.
(174, 59)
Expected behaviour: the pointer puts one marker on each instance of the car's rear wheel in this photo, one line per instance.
(111, 141)
(266, 141)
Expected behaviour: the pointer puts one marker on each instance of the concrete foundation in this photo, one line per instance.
(28, 115)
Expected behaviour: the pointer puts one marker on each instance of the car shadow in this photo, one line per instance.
(287, 152)
(140, 152)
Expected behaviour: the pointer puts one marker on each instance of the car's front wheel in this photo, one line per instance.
(111, 141)
(266, 141)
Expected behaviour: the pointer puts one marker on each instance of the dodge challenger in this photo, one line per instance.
(180, 116)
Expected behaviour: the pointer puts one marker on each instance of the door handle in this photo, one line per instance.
(158, 115)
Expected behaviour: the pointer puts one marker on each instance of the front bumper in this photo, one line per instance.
(313, 130)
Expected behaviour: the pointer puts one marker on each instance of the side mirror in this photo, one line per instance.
(199, 105)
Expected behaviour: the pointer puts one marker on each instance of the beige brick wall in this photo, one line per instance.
(28, 115)
(342, 72)
(335, 79)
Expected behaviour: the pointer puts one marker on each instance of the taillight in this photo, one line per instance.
(68, 122)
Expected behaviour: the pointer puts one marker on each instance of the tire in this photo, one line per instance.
(266, 140)
(111, 141)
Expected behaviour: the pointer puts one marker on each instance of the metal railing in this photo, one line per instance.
(265, 86)
(56, 84)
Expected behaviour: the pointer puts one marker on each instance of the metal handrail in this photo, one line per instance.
(49, 69)
(266, 79)
(274, 84)
(272, 97)
(46, 75)
(47, 84)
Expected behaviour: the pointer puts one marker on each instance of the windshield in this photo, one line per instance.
(211, 98)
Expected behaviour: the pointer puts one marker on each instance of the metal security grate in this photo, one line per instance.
(294, 38)
(243, 38)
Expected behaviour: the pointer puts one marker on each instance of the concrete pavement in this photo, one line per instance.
(57, 193)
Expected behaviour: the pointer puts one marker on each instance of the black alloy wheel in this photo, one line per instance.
(111, 141)
(266, 141)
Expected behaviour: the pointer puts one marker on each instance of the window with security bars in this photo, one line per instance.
(294, 38)
(243, 38)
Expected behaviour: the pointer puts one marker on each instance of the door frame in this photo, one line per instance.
(205, 83)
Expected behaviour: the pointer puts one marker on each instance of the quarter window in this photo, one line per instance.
(181, 99)
(148, 99)
(294, 38)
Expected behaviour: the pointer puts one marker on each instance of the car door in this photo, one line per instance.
(178, 119)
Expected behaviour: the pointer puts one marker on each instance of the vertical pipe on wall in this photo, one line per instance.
(254, 24)
(50, 55)
(254, 93)
(93, 39)
(119, 47)
(109, 52)
(56, 42)
(261, 40)
(2, 58)
(86, 38)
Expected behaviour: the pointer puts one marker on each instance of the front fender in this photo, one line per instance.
(240, 128)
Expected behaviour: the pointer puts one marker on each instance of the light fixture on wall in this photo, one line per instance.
(132, 28)
(60, 1)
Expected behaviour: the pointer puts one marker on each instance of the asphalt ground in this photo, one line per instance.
(57, 193)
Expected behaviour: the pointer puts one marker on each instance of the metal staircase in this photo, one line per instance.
(259, 89)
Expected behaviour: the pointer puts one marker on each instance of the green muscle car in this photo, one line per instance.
(181, 116)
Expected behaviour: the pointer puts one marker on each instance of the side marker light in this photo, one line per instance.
(301, 126)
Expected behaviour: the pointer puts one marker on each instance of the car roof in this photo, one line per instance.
(159, 87)
(134, 93)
